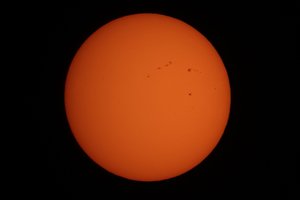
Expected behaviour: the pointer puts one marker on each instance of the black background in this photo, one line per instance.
(255, 157)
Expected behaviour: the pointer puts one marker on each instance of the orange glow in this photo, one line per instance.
(147, 97)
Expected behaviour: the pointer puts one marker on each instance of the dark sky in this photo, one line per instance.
(251, 160)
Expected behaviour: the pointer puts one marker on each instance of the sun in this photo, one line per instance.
(147, 97)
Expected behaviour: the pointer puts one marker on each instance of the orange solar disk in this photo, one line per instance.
(147, 97)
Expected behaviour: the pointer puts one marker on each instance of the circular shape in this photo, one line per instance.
(147, 97)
